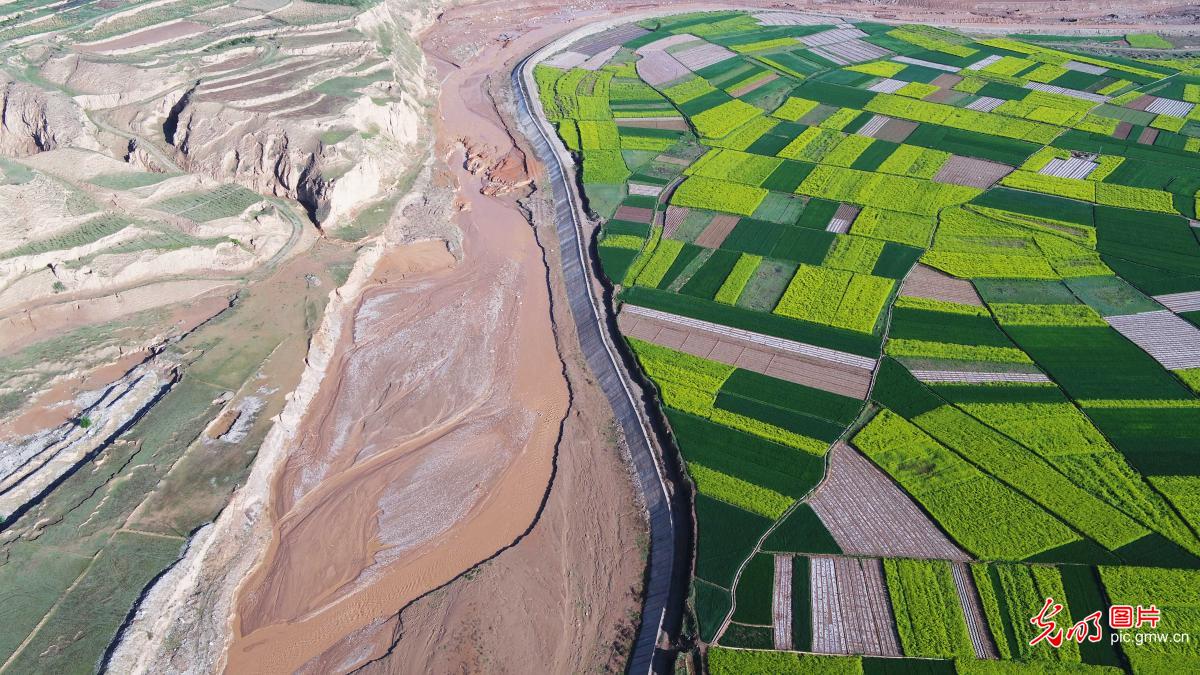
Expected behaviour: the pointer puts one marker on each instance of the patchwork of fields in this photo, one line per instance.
(970, 267)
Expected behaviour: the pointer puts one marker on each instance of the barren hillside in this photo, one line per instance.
(187, 185)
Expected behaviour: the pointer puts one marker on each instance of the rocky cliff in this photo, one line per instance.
(34, 120)
(331, 156)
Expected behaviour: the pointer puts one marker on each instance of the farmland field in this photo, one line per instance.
(919, 311)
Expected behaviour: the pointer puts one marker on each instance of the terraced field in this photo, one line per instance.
(968, 264)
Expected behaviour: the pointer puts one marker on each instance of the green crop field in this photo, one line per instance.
(224, 202)
(958, 255)
(926, 608)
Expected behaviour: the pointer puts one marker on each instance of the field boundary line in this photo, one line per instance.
(783, 344)
(969, 600)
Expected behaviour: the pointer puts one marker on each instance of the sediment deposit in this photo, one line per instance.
(431, 441)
